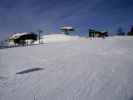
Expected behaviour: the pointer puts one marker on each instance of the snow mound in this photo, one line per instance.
(85, 69)
(56, 38)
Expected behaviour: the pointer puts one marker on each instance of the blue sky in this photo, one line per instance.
(49, 15)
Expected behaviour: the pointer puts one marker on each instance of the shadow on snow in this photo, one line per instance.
(30, 70)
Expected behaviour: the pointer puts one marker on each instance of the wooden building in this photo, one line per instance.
(22, 38)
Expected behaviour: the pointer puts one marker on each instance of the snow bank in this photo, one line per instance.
(56, 38)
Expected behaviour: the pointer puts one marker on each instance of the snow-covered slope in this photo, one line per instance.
(56, 38)
(98, 69)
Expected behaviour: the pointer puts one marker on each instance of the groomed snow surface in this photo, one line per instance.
(56, 38)
(84, 69)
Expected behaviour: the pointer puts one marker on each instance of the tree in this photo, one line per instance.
(104, 34)
(120, 32)
(130, 33)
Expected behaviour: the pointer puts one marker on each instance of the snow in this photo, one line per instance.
(56, 38)
(84, 69)
(67, 27)
(17, 35)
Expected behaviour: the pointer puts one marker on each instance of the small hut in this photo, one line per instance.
(94, 33)
(66, 29)
(22, 38)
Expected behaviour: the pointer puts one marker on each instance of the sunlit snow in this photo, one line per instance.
(84, 69)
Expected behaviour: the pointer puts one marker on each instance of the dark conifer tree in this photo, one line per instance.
(120, 32)
(130, 33)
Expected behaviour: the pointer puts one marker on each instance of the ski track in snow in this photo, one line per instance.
(84, 69)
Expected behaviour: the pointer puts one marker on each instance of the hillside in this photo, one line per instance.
(82, 69)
